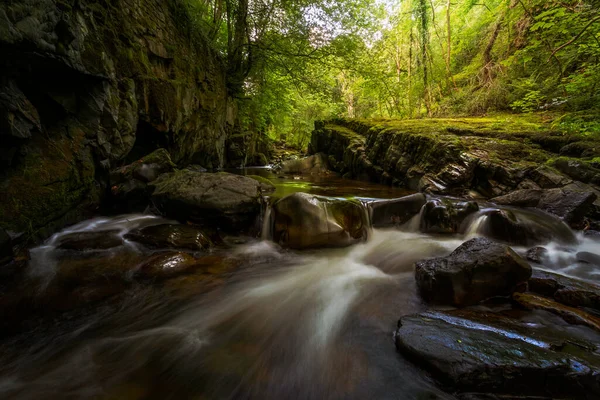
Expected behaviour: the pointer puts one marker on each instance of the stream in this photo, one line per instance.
(260, 322)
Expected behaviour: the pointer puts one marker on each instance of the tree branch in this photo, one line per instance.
(559, 48)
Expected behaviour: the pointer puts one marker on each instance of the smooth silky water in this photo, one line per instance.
(281, 325)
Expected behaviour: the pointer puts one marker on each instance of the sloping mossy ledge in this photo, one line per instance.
(483, 157)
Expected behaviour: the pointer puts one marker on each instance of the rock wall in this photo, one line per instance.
(481, 158)
(87, 85)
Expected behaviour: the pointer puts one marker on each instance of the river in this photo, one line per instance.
(262, 323)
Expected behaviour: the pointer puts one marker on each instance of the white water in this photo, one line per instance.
(308, 325)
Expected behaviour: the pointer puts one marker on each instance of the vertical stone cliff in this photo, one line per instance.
(86, 85)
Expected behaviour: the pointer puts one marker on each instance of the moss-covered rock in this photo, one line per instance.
(484, 157)
(303, 221)
(226, 201)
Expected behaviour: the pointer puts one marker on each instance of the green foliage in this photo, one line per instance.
(292, 62)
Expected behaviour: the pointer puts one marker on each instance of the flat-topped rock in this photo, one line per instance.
(492, 358)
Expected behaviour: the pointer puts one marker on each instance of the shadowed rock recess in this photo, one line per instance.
(87, 85)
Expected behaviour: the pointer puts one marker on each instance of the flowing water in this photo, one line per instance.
(280, 325)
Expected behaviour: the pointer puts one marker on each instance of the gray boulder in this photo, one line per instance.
(475, 271)
(226, 201)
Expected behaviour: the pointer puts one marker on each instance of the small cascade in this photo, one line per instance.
(266, 232)
(414, 224)
(44, 258)
(477, 226)
(367, 217)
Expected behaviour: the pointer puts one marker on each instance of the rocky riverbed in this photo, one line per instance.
(302, 284)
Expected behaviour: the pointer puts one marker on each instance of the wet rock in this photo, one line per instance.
(475, 271)
(222, 200)
(536, 254)
(520, 198)
(80, 241)
(525, 228)
(491, 358)
(314, 165)
(588, 258)
(565, 290)
(303, 220)
(570, 314)
(170, 236)
(594, 235)
(165, 265)
(446, 215)
(571, 206)
(6, 250)
(528, 184)
(394, 212)
(549, 178)
(578, 170)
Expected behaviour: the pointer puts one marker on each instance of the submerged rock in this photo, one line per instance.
(385, 213)
(226, 201)
(99, 240)
(446, 215)
(588, 258)
(570, 314)
(475, 271)
(170, 236)
(165, 265)
(569, 205)
(525, 228)
(303, 220)
(536, 254)
(499, 356)
(565, 290)
(314, 165)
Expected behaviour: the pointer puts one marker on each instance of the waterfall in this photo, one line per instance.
(476, 226)
(414, 224)
(266, 232)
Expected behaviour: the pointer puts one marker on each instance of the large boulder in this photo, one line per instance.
(170, 236)
(222, 200)
(492, 355)
(475, 271)
(303, 220)
(445, 215)
(394, 212)
(569, 205)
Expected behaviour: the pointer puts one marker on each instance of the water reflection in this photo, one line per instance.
(323, 185)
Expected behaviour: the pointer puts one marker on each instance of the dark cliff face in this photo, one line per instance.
(87, 85)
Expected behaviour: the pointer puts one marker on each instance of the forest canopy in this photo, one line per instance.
(290, 62)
